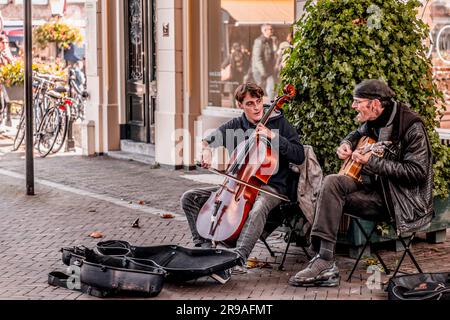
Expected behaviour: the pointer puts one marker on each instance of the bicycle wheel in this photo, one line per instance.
(48, 131)
(62, 132)
(20, 134)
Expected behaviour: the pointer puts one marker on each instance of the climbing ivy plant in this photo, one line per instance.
(337, 44)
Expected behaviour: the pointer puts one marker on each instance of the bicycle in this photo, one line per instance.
(52, 131)
(41, 84)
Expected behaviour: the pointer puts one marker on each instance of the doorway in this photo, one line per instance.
(140, 71)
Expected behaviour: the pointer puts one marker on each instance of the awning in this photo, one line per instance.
(15, 35)
(260, 11)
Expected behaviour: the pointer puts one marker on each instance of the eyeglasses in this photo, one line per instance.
(357, 103)
(252, 103)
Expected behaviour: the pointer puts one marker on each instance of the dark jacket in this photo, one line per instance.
(290, 148)
(406, 171)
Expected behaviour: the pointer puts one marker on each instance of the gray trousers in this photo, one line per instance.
(341, 194)
(193, 200)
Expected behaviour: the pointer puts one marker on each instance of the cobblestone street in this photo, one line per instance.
(76, 196)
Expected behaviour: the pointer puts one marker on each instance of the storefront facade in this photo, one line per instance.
(157, 69)
(153, 70)
(437, 15)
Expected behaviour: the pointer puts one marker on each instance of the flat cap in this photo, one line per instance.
(373, 89)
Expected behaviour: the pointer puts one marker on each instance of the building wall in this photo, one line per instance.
(105, 75)
(101, 127)
(182, 56)
(182, 115)
(437, 16)
(169, 101)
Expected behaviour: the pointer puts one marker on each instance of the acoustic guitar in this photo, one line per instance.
(366, 144)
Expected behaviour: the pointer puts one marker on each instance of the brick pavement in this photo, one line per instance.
(33, 229)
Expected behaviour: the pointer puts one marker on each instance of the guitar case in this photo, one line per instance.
(115, 267)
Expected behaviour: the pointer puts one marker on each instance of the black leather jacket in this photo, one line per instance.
(406, 172)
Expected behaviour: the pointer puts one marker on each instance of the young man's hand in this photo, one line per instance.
(206, 156)
(344, 151)
(263, 130)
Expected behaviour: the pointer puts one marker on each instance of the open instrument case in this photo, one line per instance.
(117, 268)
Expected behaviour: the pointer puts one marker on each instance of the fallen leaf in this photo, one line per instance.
(155, 166)
(135, 224)
(253, 263)
(96, 235)
(167, 216)
(141, 202)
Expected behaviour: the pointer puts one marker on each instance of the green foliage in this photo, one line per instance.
(337, 44)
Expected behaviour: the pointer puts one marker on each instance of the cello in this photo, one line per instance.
(252, 164)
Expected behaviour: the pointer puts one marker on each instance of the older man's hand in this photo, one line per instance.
(358, 157)
(344, 151)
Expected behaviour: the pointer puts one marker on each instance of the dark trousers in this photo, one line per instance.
(341, 194)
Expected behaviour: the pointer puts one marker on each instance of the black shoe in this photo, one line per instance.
(206, 245)
(222, 276)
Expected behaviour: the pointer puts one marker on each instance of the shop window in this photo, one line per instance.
(234, 25)
(237, 49)
(437, 15)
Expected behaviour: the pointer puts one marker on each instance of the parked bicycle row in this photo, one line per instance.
(55, 108)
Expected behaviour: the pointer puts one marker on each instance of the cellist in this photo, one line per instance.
(284, 137)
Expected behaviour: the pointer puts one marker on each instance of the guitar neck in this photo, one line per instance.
(366, 149)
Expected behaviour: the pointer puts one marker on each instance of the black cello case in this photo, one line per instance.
(117, 268)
